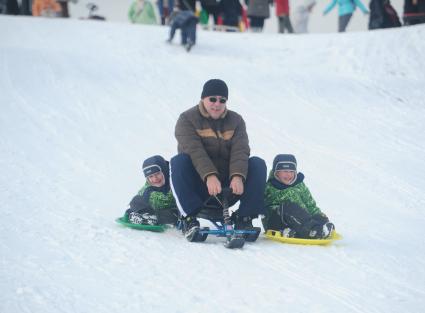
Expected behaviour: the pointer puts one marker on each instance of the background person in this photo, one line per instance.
(302, 15)
(346, 9)
(282, 13)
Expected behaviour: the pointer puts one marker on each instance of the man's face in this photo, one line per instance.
(157, 179)
(215, 106)
(285, 177)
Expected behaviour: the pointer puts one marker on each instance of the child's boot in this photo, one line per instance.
(328, 228)
(288, 232)
(142, 218)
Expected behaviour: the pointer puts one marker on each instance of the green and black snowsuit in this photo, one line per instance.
(291, 206)
(151, 200)
(159, 199)
(156, 200)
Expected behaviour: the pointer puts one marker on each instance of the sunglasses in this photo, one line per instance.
(214, 100)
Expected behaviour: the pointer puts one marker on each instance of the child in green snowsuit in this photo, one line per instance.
(290, 207)
(154, 203)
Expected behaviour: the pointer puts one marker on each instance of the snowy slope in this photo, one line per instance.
(83, 103)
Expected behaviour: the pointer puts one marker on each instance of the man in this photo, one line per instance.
(214, 153)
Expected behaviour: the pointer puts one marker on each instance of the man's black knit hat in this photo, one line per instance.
(215, 87)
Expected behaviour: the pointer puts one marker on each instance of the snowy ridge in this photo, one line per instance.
(83, 103)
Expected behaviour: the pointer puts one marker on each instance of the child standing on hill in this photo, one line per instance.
(154, 204)
(290, 207)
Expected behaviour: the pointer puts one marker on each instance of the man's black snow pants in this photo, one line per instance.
(191, 192)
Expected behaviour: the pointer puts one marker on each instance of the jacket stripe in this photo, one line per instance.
(205, 133)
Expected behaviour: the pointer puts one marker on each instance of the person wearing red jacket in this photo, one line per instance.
(282, 13)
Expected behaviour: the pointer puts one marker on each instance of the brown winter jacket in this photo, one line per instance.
(218, 147)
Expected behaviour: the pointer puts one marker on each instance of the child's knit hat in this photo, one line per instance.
(154, 165)
(284, 162)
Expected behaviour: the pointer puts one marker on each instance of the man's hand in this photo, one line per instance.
(237, 185)
(213, 185)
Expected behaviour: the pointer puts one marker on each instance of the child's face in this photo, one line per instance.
(285, 177)
(157, 179)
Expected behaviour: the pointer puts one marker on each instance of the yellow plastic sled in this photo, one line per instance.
(277, 236)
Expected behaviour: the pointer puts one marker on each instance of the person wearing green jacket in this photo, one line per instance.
(154, 203)
(142, 12)
(290, 207)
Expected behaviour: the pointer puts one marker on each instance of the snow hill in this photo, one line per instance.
(83, 103)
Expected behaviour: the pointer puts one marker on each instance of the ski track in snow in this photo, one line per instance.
(84, 103)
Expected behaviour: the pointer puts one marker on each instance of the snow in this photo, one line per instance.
(83, 103)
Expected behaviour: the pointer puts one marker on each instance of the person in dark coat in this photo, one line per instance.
(25, 7)
(10, 7)
(258, 11)
(414, 12)
(187, 5)
(165, 12)
(212, 7)
(382, 15)
(231, 12)
(214, 153)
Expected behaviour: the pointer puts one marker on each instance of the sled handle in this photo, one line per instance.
(226, 193)
(223, 200)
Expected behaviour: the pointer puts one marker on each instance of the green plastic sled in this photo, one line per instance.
(154, 228)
